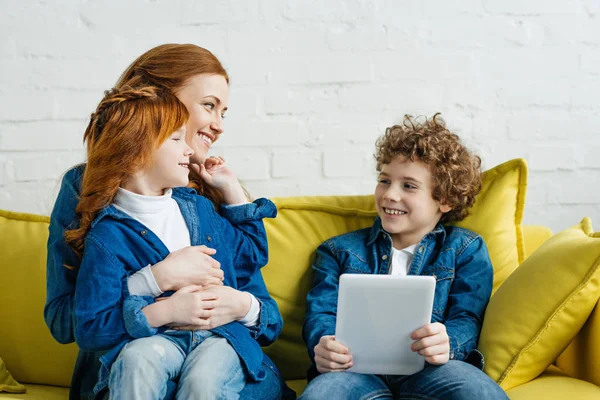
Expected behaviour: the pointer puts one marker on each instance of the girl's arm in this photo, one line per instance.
(468, 298)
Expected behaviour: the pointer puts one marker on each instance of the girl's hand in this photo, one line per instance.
(433, 342)
(232, 305)
(332, 356)
(192, 265)
(217, 174)
(187, 306)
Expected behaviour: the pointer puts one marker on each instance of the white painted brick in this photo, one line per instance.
(226, 11)
(590, 61)
(296, 163)
(391, 9)
(420, 65)
(42, 136)
(315, 10)
(560, 217)
(264, 133)
(348, 163)
(409, 97)
(363, 38)
(551, 157)
(541, 189)
(586, 94)
(456, 32)
(307, 39)
(31, 197)
(576, 188)
(244, 70)
(27, 106)
(341, 68)
(549, 124)
(312, 101)
(352, 130)
(531, 7)
(511, 31)
(526, 64)
(588, 30)
(591, 6)
(5, 175)
(41, 167)
(76, 105)
(244, 102)
(521, 94)
(590, 156)
(248, 163)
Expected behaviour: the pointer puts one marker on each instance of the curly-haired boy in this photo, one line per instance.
(427, 178)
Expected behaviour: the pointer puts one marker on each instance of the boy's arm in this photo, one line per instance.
(468, 298)
(244, 231)
(321, 301)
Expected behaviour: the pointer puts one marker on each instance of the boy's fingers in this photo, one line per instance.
(336, 346)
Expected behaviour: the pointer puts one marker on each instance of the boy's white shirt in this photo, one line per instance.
(401, 260)
(161, 214)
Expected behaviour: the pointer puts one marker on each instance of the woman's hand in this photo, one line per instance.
(433, 342)
(232, 305)
(217, 174)
(331, 355)
(192, 265)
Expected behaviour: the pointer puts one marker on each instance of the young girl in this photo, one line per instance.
(133, 212)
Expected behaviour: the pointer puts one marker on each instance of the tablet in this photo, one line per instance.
(376, 315)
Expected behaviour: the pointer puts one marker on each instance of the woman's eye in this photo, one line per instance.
(210, 106)
(223, 116)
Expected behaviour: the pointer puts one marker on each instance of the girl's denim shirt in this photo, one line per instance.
(457, 258)
(102, 316)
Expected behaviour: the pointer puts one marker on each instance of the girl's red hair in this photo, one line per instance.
(127, 127)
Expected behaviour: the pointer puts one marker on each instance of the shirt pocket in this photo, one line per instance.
(355, 264)
(443, 282)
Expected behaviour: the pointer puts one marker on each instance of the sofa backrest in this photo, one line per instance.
(29, 351)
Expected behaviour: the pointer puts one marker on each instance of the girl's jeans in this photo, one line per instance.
(451, 381)
(207, 367)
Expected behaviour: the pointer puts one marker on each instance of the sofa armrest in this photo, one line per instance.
(580, 359)
(534, 236)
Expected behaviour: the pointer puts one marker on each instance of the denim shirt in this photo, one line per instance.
(457, 258)
(117, 246)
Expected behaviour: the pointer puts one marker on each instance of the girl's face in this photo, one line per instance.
(206, 97)
(168, 168)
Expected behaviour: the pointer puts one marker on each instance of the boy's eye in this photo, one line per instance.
(409, 186)
(384, 181)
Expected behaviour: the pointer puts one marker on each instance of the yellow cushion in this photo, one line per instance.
(305, 222)
(554, 384)
(541, 306)
(497, 215)
(26, 343)
(7, 382)
(39, 392)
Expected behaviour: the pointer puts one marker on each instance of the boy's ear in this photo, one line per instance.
(444, 208)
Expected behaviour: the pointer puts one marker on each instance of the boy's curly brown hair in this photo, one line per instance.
(455, 171)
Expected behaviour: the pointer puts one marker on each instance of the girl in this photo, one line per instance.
(134, 211)
(200, 82)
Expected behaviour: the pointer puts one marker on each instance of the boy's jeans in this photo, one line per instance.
(452, 381)
(207, 367)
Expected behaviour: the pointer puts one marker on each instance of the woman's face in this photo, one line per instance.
(206, 97)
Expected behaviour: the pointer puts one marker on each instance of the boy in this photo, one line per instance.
(427, 178)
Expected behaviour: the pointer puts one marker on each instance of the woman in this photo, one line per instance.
(199, 80)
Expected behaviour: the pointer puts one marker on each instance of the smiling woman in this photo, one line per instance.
(200, 82)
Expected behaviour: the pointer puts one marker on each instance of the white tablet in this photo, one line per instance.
(376, 315)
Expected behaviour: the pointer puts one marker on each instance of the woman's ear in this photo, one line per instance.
(444, 208)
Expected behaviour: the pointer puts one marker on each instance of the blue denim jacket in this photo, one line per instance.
(456, 257)
(119, 245)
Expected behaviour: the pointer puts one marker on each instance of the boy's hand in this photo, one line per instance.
(433, 342)
(332, 356)
(217, 174)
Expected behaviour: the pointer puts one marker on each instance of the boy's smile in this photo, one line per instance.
(404, 201)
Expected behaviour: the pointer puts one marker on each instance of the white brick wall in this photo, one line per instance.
(314, 83)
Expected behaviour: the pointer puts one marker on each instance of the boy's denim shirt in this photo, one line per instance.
(104, 316)
(457, 258)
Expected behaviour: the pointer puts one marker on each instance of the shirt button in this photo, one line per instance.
(209, 238)
(421, 248)
(143, 232)
(384, 257)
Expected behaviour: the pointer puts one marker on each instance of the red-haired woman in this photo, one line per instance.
(200, 82)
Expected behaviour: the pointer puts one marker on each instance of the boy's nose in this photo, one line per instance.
(392, 195)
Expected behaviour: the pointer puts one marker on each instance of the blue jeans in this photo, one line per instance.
(452, 381)
(207, 367)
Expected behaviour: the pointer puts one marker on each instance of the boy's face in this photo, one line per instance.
(404, 201)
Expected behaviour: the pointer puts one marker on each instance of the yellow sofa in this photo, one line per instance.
(44, 366)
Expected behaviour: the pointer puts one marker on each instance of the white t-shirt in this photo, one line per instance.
(401, 260)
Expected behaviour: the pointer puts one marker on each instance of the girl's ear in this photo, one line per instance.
(444, 208)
